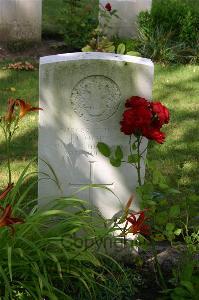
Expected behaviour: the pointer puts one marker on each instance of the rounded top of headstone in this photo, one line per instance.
(95, 56)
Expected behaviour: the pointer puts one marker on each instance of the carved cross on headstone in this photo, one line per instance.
(91, 182)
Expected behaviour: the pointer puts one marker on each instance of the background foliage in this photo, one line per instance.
(170, 32)
(71, 20)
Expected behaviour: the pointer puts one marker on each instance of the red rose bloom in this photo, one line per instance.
(108, 7)
(144, 118)
(136, 101)
(160, 112)
(134, 120)
(155, 134)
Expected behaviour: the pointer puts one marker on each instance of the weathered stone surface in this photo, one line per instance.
(127, 10)
(20, 20)
(83, 96)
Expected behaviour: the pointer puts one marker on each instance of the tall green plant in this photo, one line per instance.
(78, 19)
(51, 252)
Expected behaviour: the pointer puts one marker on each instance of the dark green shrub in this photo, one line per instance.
(158, 46)
(145, 24)
(51, 28)
(78, 19)
(179, 16)
(189, 28)
(170, 30)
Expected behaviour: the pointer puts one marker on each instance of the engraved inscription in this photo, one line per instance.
(82, 138)
(96, 98)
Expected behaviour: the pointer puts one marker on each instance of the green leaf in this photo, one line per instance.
(133, 146)
(121, 48)
(87, 48)
(178, 231)
(161, 218)
(179, 293)
(134, 53)
(106, 45)
(104, 149)
(193, 198)
(162, 186)
(173, 191)
(174, 211)
(133, 158)
(170, 227)
(119, 153)
(10, 261)
(188, 285)
(113, 12)
(163, 202)
(170, 235)
(115, 162)
(151, 203)
(109, 48)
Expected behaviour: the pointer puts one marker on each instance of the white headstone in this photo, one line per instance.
(83, 96)
(20, 20)
(125, 26)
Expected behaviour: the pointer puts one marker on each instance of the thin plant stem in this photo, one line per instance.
(143, 150)
(8, 136)
(8, 139)
(139, 161)
(130, 140)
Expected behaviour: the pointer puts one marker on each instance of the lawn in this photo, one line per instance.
(176, 86)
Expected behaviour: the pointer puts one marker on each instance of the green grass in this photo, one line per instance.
(175, 86)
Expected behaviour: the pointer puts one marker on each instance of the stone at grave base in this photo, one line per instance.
(20, 20)
(125, 26)
(168, 257)
(121, 251)
(124, 253)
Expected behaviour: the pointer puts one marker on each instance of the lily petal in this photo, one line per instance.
(6, 191)
(6, 218)
(25, 107)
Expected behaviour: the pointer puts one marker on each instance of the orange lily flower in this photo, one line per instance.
(25, 107)
(138, 225)
(6, 218)
(10, 113)
(6, 191)
(129, 202)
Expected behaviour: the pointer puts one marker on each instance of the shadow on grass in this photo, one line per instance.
(178, 156)
(175, 90)
(23, 147)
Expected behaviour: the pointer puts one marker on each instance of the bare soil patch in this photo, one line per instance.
(16, 51)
